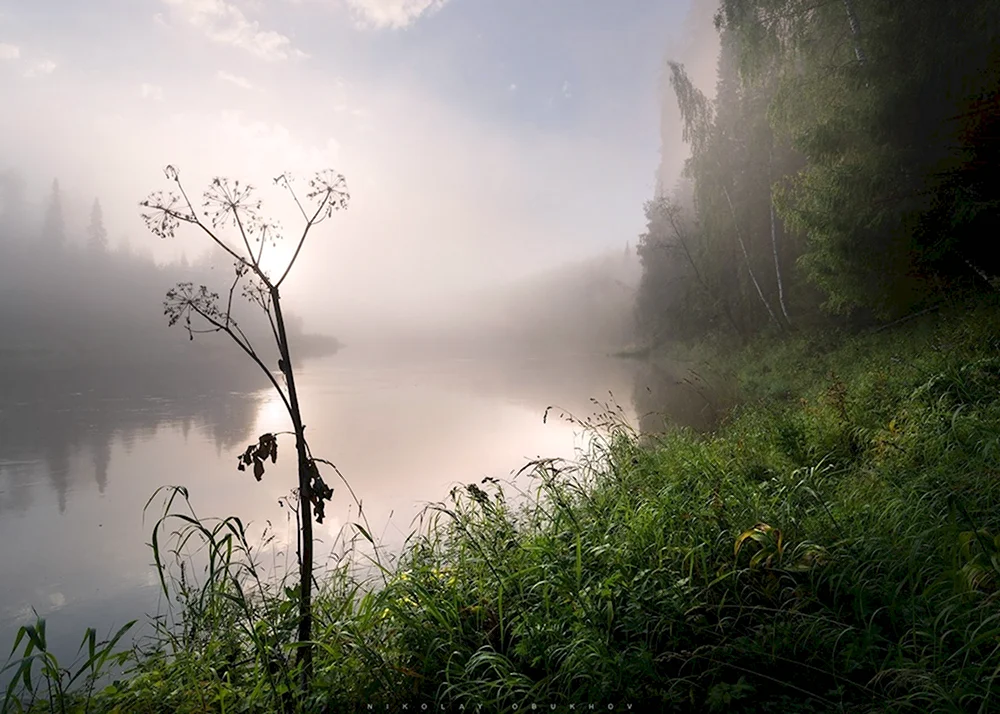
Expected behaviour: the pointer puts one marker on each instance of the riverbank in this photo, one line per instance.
(834, 545)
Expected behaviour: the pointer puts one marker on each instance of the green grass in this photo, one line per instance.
(834, 546)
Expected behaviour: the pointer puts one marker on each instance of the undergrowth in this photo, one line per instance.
(833, 546)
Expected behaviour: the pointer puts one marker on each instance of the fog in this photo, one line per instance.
(497, 153)
(483, 142)
(458, 319)
(524, 240)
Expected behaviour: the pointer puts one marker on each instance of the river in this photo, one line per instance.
(77, 468)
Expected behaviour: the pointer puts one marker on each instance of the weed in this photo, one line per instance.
(837, 551)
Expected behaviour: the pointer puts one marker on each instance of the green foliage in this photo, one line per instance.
(676, 298)
(843, 163)
(39, 680)
(834, 546)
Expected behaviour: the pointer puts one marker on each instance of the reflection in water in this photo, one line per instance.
(77, 467)
(67, 438)
(669, 396)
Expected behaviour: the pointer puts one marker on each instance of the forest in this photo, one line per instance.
(77, 312)
(841, 175)
(830, 542)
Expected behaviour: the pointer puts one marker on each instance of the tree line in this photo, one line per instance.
(843, 170)
(76, 312)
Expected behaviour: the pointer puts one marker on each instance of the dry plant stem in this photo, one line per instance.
(230, 201)
(305, 496)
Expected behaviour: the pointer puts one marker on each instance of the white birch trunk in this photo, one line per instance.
(852, 18)
(746, 259)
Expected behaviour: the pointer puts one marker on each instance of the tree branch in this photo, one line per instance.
(246, 241)
(302, 241)
(249, 352)
(232, 288)
(288, 186)
(197, 221)
(263, 240)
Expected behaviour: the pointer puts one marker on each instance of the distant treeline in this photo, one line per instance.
(579, 307)
(77, 314)
(845, 170)
(582, 306)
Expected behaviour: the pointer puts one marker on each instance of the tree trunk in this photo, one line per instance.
(774, 250)
(852, 18)
(777, 267)
(746, 259)
(305, 503)
(697, 273)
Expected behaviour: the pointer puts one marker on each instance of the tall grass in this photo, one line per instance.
(834, 546)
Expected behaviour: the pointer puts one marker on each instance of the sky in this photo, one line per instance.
(481, 139)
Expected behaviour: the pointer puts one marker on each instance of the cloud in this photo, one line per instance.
(333, 148)
(512, 87)
(254, 147)
(442, 200)
(151, 91)
(392, 14)
(40, 69)
(224, 23)
(566, 90)
(242, 82)
(9, 52)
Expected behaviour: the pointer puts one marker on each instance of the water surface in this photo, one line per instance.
(77, 467)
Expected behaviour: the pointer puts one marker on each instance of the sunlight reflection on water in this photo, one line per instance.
(75, 474)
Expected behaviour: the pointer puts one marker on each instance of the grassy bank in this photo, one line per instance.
(834, 546)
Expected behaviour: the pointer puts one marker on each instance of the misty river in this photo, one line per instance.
(77, 468)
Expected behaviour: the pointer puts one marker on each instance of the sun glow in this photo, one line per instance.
(271, 414)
